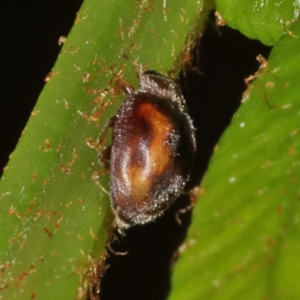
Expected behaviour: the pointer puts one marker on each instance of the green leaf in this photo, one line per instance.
(54, 211)
(265, 20)
(244, 240)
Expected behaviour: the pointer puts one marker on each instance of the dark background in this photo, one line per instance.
(29, 32)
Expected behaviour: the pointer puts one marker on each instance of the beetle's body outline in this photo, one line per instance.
(152, 151)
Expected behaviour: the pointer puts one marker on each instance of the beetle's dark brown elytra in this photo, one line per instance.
(152, 152)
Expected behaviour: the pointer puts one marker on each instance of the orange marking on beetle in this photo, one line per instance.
(148, 157)
(160, 127)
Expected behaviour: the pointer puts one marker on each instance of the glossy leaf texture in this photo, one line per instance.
(264, 20)
(244, 240)
(54, 208)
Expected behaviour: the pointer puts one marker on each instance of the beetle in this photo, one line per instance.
(152, 151)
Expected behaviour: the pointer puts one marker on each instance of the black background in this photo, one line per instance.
(29, 32)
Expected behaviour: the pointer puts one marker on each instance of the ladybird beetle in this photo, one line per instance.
(152, 151)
